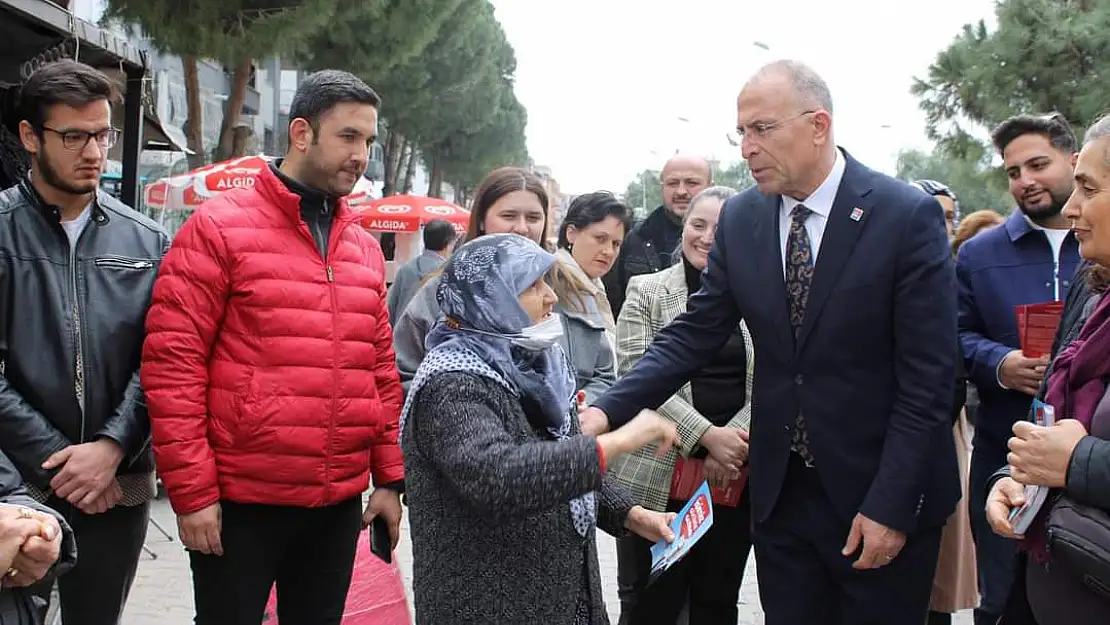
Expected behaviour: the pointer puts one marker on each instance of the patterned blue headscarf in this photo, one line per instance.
(479, 294)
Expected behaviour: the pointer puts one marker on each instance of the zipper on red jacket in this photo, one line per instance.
(336, 231)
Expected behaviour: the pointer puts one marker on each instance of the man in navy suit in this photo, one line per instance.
(845, 280)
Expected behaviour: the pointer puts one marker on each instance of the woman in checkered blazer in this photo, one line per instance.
(712, 414)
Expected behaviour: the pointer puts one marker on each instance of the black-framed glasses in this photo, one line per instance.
(76, 140)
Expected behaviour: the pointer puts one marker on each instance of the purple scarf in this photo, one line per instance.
(1075, 388)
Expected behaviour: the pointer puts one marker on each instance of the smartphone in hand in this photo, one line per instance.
(379, 540)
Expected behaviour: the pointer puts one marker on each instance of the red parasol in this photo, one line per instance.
(406, 213)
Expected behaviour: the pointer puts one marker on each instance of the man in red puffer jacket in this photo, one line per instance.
(269, 373)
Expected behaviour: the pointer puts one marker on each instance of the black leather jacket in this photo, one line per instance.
(649, 247)
(58, 309)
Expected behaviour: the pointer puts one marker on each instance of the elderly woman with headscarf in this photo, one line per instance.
(504, 491)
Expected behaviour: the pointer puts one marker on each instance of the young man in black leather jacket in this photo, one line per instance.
(76, 272)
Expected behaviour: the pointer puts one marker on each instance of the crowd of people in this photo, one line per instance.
(817, 348)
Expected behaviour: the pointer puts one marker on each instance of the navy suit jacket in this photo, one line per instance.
(872, 370)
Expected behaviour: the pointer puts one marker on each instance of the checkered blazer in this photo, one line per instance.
(652, 302)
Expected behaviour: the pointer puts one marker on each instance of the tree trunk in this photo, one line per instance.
(389, 158)
(241, 142)
(410, 170)
(240, 80)
(194, 124)
(402, 164)
(435, 178)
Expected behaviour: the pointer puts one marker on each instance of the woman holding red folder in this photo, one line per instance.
(712, 414)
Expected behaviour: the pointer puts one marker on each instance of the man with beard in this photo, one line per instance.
(1030, 259)
(270, 374)
(650, 246)
(76, 272)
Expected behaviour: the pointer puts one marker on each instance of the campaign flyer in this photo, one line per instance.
(1022, 517)
(692, 522)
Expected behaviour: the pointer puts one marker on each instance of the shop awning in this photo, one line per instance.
(159, 136)
(38, 31)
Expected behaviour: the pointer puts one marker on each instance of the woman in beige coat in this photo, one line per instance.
(954, 587)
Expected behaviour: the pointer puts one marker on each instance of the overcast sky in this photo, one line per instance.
(606, 81)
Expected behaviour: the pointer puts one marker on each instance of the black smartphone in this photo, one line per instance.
(379, 540)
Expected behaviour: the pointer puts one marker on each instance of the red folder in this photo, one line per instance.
(688, 475)
(1037, 325)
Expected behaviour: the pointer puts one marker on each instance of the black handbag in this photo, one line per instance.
(1078, 539)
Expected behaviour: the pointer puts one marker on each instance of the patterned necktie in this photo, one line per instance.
(799, 276)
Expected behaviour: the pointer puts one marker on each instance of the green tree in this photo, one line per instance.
(399, 32)
(736, 175)
(470, 67)
(371, 38)
(645, 192)
(1044, 55)
(233, 32)
(467, 157)
(978, 184)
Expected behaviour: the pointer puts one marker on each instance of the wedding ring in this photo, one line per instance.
(26, 513)
(13, 572)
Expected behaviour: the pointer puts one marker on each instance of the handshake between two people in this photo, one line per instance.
(30, 544)
(727, 447)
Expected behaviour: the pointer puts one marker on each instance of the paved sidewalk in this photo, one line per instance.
(162, 594)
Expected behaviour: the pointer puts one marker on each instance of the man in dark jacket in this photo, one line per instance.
(76, 269)
(1029, 259)
(439, 238)
(649, 247)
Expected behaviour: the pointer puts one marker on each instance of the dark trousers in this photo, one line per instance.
(804, 579)
(994, 555)
(707, 580)
(95, 591)
(308, 552)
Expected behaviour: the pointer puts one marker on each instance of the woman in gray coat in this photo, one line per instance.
(504, 491)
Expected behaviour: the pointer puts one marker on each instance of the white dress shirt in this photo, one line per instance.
(820, 202)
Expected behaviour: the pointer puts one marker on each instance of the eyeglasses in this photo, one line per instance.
(76, 140)
(762, 130)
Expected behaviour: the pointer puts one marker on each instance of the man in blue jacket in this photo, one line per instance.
(1030, 259)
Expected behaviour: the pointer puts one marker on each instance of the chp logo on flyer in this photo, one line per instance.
(692, 522)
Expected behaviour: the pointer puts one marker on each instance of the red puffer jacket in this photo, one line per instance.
(270, 375)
